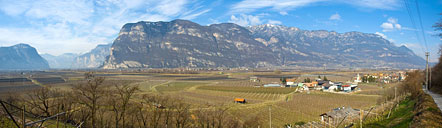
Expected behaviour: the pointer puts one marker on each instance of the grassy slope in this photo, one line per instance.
(400, 118)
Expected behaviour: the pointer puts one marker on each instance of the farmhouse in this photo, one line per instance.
(346, 88)
(291, 81)
(326, 86)
(335, 116)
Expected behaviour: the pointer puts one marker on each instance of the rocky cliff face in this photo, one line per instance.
(93, 58)
(22, 57)
(63, 61)
(182, 43)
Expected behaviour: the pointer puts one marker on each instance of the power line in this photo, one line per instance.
(422, 28)
(414, 24)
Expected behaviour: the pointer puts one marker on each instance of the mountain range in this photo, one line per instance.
(182, 43)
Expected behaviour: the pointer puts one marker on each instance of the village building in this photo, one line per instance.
(334, 117)
(358, 79)
(291, 81)
(254, 79)
(346, 88)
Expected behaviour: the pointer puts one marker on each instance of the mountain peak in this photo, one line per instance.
(22, 45)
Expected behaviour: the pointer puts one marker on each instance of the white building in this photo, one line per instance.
(358, 79)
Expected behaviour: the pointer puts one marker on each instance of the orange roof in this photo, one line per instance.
(314, 82)
(291, 80)
(240, 99)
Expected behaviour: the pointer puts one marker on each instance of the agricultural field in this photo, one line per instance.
(49, 80)
(16, 84)
(219, 89)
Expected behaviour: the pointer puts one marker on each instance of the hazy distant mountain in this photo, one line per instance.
(296, 47)
(93, 58)
(63, 61)
(182, 43)
(21, 56)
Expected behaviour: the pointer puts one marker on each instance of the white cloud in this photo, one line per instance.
(245, 20)
(283, 13)
(398, 26)
(193, 16)
(170, 7)
(275, 22)
(384, 36)
(335, 16)
(77, 26)
(387, 26)
(246, 6)
(375, 4)
(278, 5)
(391, 25)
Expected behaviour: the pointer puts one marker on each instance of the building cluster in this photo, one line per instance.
(318, 84)
(383, 77)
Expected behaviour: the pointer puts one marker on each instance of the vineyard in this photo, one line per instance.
(16, 84)
(176, 86)
(271, 90)
(209, 90)
(50, 80)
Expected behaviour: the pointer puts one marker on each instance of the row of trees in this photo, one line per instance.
(98, 104)
(436, 80)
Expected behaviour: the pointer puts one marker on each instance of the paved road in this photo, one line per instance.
(437, 98)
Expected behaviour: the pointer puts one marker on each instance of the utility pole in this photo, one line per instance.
(426, 71)
(270, 116)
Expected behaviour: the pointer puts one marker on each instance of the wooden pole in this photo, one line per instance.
(270, 116)
(23, 117)
(362, 116)
(58, 109)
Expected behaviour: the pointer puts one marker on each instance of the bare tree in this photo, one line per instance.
(41, 101)
(438, 26)
(120, 99)
(89, 94)
(182, 114)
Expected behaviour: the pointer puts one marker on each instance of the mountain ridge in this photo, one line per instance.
(182, 43)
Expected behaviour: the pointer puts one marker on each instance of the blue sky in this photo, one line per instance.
(76, 26)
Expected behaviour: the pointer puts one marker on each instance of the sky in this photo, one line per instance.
(76, 26)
